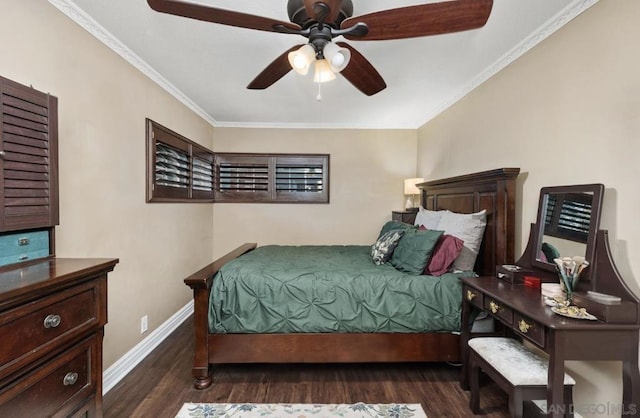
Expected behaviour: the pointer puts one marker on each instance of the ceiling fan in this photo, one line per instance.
(320, 21)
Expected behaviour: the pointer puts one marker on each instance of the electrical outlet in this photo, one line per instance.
(144, 324)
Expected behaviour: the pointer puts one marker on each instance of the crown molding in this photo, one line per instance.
(76, 14)
(552, 25)
(71, 10)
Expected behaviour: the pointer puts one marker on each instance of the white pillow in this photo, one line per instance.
(469, 227)
(428, 218)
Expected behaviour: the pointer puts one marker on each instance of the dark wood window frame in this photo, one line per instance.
(180, 170)
(272, 178)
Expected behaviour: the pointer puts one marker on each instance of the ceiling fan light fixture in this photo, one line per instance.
(337, 56)
(323, 72)
(301, 59)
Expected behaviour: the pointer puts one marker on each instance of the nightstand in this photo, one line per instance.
(407, 216)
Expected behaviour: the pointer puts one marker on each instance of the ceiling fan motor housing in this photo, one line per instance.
(298, 13)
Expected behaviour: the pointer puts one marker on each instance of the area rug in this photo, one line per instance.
(300, 410)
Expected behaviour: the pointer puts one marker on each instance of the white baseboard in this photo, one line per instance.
(126, 363)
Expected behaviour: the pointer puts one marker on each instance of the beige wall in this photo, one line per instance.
(366, 184)
(568, 112)
(103, 102)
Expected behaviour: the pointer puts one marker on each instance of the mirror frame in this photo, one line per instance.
(596, 208)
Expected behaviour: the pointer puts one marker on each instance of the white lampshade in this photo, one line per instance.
(337, 56)
(323, 72)
(301, 59)
(410, 186)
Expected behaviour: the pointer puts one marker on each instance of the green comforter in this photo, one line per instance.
(289, 289)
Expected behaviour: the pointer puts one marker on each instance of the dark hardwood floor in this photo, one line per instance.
(160, 384)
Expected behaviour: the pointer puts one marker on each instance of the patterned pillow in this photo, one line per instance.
(383, 248)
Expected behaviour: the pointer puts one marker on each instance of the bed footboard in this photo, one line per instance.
(200, 282)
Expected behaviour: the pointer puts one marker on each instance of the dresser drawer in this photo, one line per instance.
(529, 328)
(35, 328)
(473, 296)
(23, 246)
(498, 309)
(56, 386)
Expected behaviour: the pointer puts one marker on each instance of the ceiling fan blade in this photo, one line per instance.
(331, 6)
(221, 16)
(422, 20)
(361, 73)
(278, 68)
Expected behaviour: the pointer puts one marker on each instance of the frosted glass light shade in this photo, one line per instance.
(301, 59)
(323, 72)
(338, 57)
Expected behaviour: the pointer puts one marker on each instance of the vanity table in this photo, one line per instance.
(520, 311)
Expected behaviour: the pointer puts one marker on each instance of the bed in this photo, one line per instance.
(287, 342)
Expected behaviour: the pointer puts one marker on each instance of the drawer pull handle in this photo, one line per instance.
(70, 379)
(23, 241)
(470, 295)
(523, 326)
(494, 307)
(52, 321)
(23, 257)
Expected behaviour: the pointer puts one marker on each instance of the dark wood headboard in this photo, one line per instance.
(494, 191)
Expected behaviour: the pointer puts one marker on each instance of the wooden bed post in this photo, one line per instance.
(200, 371)
(201, 282)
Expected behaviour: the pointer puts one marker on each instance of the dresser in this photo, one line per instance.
(52, 318)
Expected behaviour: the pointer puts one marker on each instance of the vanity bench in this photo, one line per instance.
(516, 369)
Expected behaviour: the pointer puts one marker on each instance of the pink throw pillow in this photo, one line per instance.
(446, 251)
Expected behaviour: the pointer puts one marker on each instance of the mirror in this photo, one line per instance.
(567, 223)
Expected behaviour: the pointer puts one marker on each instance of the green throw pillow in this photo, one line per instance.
(414, 250)
(393, 225)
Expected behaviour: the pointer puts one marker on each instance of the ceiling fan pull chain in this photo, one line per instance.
(319, 96)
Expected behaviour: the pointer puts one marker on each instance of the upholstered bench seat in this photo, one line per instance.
(517, 370)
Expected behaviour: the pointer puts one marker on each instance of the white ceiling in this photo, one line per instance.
(208, 66)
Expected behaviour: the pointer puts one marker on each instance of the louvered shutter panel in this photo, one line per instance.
(242, 178)
(272, 178)
(170, 167)
(203, 173)
(575, 217)
(569, 216)
(301, 179)
(29, 146)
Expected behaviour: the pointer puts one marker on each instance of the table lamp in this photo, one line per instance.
(410, 190)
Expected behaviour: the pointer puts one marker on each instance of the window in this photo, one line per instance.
(179, 170)
(301, 178)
